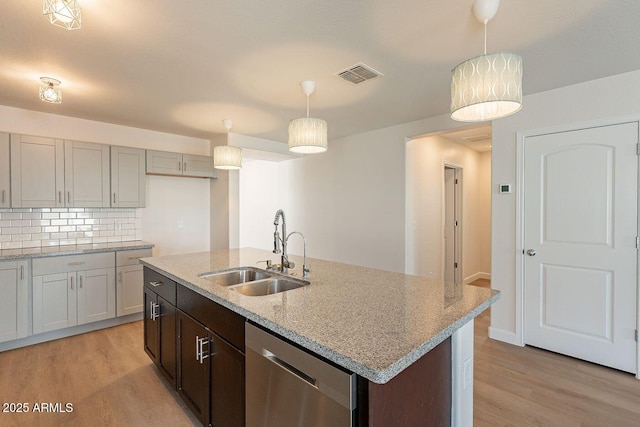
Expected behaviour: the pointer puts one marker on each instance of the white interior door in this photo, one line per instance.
(580, 197)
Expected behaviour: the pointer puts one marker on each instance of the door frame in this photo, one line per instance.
(458, 273)
(521, 136)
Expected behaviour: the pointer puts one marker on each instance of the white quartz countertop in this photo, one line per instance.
(372, 322)
(47, 251)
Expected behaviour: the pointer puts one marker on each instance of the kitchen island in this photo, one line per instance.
(377, 324)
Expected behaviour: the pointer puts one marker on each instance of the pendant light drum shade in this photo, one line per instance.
(308, 135)
(486, 87)
(227, 157)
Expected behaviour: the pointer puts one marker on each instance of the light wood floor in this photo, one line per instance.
(526, 386)
(111, 382)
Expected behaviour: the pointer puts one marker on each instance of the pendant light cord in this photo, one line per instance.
(485, 36)
(307, 106)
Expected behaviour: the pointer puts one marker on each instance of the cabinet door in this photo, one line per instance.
(5, 177)
(164, 163)
(193, 381)
(13, 304)
(128, 185)
(54, 302)
(96, 295)
(129, 290)
(227, 385)
(87, 174)
(167, 359)
(151, 325)
(37, 172)
(199, 166)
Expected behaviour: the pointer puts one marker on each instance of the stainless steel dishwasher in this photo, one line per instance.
(288, 387)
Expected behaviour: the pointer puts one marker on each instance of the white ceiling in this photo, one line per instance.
(183, 66)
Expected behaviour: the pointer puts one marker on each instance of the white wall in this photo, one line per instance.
(425, 159)
(349, 202)
(167, 198)
(259, 200)
(483, 215)
(597, 99)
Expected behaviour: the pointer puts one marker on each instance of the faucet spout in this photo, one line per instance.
(305, 267)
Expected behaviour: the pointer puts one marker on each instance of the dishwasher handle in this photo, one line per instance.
(292, 369)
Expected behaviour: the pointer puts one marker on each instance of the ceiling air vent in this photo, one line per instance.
(358, 73)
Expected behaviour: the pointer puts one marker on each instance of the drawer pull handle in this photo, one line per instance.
(69, 197)
(3, 196)
(131, 258)
(81, 282)
(114, 198)
(155, 284)
(59, 197)
(22, 272)
(77, 263)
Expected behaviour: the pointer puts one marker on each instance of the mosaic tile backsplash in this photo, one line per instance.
(35, 227)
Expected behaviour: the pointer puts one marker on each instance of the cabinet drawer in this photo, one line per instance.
(131, 257)
(62, 264)
(161, 285)
(219, 319)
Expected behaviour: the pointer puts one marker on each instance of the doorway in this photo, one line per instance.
(452, 233)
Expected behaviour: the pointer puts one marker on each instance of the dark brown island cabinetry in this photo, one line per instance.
(199, 346)
(209, 350)
(160, 323)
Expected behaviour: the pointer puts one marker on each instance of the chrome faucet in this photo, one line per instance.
(284, 260)
(305, 267)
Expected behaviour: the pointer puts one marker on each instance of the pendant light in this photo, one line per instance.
(488, 86)
(307, 135)
(225, 156)
(63, 13)
(49, 90)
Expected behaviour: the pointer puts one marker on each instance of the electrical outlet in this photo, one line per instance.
(180, 223)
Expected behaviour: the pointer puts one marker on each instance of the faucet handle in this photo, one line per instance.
(291, 264)
(268, 261)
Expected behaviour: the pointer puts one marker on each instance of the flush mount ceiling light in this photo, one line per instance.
(49, 90)
(63, 13)
(307, 135)
(225, 156)
(486, 87)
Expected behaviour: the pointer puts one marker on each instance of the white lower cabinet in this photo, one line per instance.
(73, 290)
(14, 304)
(130, 281)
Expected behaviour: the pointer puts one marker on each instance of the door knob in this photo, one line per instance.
(531, 252)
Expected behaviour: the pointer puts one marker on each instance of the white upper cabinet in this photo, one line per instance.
(127, 177)
(199, 166)
(37, 172)
(176, 164)
(164, 163)
(5, 176)
(87, 174)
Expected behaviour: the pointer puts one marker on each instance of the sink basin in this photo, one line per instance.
(269, 286)
(236, 276)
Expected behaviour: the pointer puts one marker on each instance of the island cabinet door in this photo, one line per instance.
(193, 378)
(167, 359)
(227, 384)
(151, 325)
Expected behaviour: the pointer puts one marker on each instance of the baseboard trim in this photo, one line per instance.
(68, 332)
(476, 276)
(504, 336)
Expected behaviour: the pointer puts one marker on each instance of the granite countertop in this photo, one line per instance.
(372, 322)
(47, 251)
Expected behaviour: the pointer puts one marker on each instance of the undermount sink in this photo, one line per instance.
(269, 287)
(254, 282)
(236, 276)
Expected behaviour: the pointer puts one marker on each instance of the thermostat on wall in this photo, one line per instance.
(505, 188)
